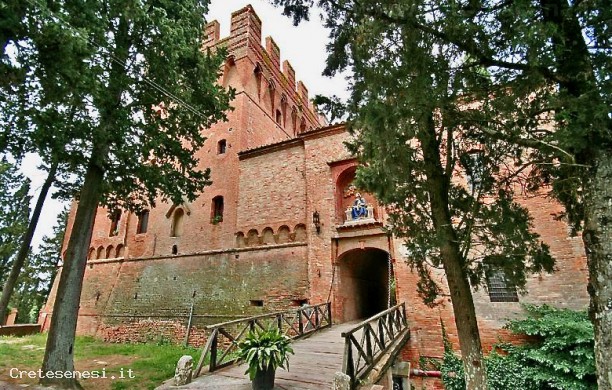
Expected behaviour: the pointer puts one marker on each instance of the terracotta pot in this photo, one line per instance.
(264, 379)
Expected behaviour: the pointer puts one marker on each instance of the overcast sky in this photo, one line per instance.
(303, 46)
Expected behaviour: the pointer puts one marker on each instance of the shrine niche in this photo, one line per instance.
(353, 205)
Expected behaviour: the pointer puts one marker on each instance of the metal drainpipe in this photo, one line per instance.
(422, 373)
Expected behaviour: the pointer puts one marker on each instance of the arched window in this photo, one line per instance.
(303, 126)
(271, 93)
(216, 214)
(257, 73)
(143, 222)
(283, 117)
(177, 222)
(279, 117)
(119, 251)
(221, 146)
(294, 115)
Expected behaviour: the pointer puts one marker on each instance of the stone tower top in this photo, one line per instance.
(275, 83)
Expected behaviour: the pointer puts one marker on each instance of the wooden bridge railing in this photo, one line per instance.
(376, 335)
(223, 340)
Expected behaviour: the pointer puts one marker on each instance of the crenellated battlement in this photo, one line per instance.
(256, 70)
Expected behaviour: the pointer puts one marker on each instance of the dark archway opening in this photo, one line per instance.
(364, 283)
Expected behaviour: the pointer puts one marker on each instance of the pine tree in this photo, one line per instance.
(35, 281)
(117, 94)
(529, 76)
(14, 210)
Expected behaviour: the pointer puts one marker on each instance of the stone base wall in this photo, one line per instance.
(152, 331)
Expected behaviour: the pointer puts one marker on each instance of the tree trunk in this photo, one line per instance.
(438, 184)
(597, 237)
(574, 63)
(59, 352)
(24, 249)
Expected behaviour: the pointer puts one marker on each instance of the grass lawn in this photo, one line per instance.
(150, 364)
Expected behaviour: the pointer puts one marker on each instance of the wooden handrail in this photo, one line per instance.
(294, 324)
(378, 334)
(373, 318)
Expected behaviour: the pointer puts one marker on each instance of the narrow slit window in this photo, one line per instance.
(143, 222)
(279, 117)
(222, 147)
(177, 223)
(217, 209)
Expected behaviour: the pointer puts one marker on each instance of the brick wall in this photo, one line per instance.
(272, 189)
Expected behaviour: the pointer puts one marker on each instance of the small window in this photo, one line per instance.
(257, 72)
(256, 302)
(143, 222)
(217, 210)
(501, 289)
(279, 117)
(177, 223)
(299, 302)
(221, 146)
(474, 167)
(114, 228)
(174, 250)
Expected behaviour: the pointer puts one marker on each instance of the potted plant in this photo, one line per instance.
(264, 352)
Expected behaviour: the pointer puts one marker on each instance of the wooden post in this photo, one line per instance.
(368, 339)
(207, 348)
(213, 351)
(347, 364)
(189, 325)
(381, 332)
(300, 323)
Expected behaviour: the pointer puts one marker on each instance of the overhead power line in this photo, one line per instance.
(120, 62)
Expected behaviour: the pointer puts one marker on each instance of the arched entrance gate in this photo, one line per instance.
(362, 289)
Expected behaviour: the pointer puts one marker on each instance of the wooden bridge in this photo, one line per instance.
(321, 350)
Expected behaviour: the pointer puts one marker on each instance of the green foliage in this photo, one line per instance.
(103, 79)
(562, 357)
(559, 357)
(415, 113)
(517, 94)
(262, 349)
(35, 280)
(14, 212)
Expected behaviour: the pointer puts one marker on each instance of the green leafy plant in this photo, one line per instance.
(264, 349)
(560, 355)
